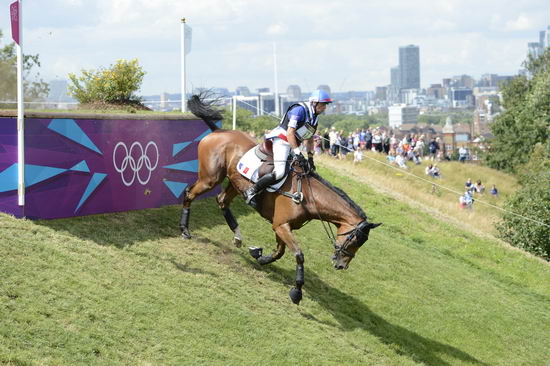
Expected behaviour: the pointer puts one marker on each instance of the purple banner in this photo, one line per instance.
(14, 15)
(76, 167)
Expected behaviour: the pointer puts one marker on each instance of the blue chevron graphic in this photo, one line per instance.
(37, 173)
(69, 129)
(189, 166)
(8, 178)
(179, 147)
(34, 174)
(81, 167)
(96, 180)
(175, 187)
(202, 135)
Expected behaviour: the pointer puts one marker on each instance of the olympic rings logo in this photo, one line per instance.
(143, 162)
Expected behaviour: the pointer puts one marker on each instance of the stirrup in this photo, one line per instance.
(249, 194)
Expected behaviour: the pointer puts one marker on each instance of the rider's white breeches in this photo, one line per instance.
(281, 149)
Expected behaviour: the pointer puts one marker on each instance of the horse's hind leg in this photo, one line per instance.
(224, 200)
(202, 185)
(270, 258)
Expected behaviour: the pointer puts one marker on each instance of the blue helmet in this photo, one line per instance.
(320, 96)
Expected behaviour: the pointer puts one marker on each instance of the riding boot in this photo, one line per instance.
(251, 193)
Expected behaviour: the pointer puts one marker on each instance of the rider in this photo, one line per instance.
(298, 124)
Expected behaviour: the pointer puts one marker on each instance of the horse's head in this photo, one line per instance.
(345, 250)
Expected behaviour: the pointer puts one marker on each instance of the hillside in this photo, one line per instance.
(438, 197)
(125, 289)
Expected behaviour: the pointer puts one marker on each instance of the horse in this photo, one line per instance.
(218, 155)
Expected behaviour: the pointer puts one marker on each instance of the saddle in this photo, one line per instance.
(258, 161)
(264, 152)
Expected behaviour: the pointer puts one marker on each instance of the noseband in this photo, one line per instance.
(360, 237)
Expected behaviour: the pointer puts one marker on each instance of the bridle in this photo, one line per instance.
(356, 233)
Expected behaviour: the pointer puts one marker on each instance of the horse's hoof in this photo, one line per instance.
(255, 252)
(295, 295)
(237, 242)
(185, 234)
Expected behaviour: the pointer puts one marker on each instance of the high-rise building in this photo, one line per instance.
(381, 93)
(395, 77)
(399, 114)
(534, 49)
(294, 92)
(394, 89)
(242, 90)
(409, 67)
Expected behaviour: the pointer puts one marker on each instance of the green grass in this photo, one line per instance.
(401, 185)
(124, 289)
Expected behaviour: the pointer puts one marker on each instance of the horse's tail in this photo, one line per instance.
(203, 109)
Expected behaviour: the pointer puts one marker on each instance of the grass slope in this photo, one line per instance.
(124, 289)
(418, 191)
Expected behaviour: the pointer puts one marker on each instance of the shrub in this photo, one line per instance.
(533, 201)
(117, 84)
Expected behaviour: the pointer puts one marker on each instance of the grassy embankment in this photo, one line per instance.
(124, 289)
(430, 195)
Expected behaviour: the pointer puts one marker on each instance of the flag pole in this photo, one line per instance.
(16, 11)
(183, 88)
(277, 105)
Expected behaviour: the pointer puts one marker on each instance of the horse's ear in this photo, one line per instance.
(372, 226)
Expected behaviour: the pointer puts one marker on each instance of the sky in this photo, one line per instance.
(347, 44)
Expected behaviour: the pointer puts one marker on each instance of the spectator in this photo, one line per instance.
(386, 143)
(433, 148)
(333, 138)
(462, 154)
(494, 191)
(391, 157)
(343, 142)
(357, 156)
(466, 200)
(368, 139)
(479, 187)
(326, 142)
(376, 141)
(433, 171)
(428, 169)
(356, 139)
(400, 161)
(436, 173)
(469, 186)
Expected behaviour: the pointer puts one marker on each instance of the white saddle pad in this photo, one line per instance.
(248, 166)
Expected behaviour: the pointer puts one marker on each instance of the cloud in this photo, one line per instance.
(276, 29)
(317, 43)
(522, 22)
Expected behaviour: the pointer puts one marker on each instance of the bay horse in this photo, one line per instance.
(218, 155)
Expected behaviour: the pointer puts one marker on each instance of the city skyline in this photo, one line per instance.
(349, 46)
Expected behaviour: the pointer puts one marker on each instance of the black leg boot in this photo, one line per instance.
(251, 193)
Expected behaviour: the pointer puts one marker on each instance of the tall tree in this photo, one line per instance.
(34, 88)
(526, 119)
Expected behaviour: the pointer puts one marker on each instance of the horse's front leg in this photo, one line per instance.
(285, 234)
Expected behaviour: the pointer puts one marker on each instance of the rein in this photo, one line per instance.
(355, 232)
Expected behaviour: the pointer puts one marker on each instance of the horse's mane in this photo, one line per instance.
(340, 193)
(203, 109)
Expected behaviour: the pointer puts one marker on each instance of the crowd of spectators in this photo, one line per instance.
(412, 148)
